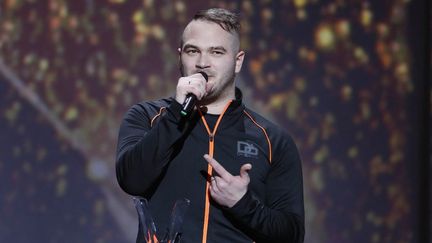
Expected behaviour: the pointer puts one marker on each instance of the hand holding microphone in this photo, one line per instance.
(190, 89)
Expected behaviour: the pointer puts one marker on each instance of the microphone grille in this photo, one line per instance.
(204, 75)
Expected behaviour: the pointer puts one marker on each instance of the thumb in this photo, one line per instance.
(244, 171)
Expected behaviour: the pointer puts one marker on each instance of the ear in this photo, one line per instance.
(179, 53)
(239, 61)
(179, 59)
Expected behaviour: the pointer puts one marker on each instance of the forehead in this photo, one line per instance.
(207, 34)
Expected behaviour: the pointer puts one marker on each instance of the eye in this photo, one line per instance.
(217, 53)
(191, 51)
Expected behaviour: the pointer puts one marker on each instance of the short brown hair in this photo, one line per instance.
(228, 20)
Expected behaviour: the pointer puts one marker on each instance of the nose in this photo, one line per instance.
(203, 61)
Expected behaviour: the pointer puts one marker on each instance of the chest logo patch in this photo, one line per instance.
(246, 149)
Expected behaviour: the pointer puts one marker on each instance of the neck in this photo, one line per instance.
(217, 106)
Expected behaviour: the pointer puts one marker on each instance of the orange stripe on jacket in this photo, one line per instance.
(265, 133)
(156, 116)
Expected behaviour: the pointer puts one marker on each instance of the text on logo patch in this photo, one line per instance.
(246, 149)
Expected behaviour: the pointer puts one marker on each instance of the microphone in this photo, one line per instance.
(191, 99)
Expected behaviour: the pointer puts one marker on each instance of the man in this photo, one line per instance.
(241, 173)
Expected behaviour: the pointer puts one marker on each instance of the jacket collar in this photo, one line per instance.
(237, 104)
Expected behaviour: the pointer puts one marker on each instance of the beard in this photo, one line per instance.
(222, 89)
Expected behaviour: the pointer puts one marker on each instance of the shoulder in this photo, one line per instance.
(150, 107)
(271, 128)
(146, 110)
(278, 137)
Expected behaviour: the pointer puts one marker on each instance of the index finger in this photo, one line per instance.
(218, 167)
(197, 76)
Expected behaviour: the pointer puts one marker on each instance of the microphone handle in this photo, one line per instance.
(191, 99)
(188, 104)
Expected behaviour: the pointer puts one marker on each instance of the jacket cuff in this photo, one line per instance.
(174, 109)
(245, 206)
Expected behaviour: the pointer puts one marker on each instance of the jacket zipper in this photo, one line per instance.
(209, 168)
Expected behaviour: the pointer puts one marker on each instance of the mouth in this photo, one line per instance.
(209, 74)
(206, 75)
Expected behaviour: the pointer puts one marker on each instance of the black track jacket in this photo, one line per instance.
(160, 157)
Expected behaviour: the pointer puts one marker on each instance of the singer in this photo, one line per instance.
(241, 173)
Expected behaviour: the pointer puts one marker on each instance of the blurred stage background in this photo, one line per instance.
(348, 79)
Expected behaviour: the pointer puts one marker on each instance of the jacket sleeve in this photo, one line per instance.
(280, 216)
(144, 151)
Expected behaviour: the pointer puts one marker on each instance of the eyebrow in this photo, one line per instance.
(187, 46)
(213, 48)
(218, 48)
